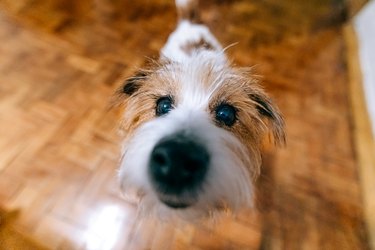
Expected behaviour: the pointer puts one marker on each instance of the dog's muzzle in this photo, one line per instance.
(177, 168)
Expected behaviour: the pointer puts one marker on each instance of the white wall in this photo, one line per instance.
(365, 28)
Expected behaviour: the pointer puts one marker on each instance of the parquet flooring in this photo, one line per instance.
(61, 60)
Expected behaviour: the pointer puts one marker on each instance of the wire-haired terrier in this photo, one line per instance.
(194, 126)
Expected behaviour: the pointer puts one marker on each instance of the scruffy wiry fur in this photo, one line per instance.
(197, 81)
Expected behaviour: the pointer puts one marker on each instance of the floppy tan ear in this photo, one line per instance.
(129, 87)
(268, 110)
(132, 84)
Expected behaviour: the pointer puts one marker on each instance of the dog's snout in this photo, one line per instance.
(178, 164)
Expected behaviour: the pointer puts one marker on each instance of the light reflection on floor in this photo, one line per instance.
(105, 227)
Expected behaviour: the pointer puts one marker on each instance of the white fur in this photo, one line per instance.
(183, 3)
(187, 32)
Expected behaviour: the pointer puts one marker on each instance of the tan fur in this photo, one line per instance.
(251, 125)
(190, 47)
(140, 108)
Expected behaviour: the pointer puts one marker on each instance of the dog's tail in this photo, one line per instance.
(188, 10)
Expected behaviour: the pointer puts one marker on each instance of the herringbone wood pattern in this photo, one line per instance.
(61, 61)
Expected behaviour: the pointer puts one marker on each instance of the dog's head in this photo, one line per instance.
(192, 135)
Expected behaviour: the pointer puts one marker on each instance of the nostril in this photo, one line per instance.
(160, 162)
(159, 158)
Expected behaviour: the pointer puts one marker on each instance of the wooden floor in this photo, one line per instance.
(61, 60)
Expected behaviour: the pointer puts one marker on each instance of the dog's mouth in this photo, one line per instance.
(176, 202)
(176, 205)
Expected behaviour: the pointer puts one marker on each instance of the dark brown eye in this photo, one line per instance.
(163, 105)
(226, 114)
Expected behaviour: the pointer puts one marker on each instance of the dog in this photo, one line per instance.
(193, 126)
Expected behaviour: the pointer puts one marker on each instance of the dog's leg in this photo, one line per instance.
(190, 37)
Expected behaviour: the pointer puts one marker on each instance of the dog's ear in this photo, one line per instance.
(132, 84)
(130, 87)
(268, 110)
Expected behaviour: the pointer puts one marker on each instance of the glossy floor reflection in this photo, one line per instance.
(60, 63)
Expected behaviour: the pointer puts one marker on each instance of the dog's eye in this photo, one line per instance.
(226, 114)
(163, 106)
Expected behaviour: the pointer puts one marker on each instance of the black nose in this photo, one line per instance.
(178, 164)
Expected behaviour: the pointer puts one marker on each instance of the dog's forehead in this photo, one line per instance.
(198, 79)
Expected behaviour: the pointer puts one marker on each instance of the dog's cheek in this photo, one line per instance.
(250, 135)
(137, 111)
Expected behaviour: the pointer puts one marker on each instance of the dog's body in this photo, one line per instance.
(194, 126)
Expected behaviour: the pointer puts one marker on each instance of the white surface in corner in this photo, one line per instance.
(365, 28)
